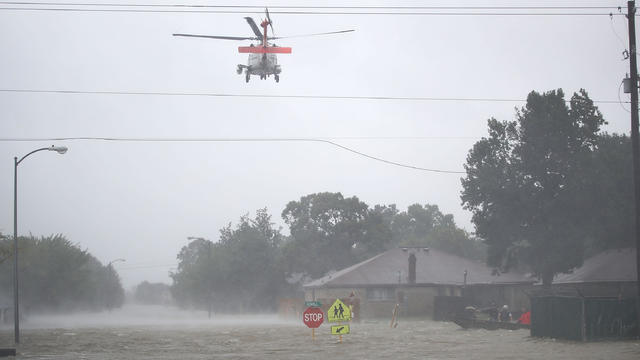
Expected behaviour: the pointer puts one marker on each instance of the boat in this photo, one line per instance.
(467, 323)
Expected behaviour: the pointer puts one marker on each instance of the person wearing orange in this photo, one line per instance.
(525, 318)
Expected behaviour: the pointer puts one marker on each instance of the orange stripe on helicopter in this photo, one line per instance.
(264, 50)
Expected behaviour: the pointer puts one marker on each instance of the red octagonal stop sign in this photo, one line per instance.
(313, 317)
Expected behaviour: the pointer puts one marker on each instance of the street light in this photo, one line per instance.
(111, 274)
(16, 162)
(116, 260)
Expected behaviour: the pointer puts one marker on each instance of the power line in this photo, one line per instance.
(272, 96)
(318, 140)
(260, 8)
(308, 12)
(7, 139)
(131, 267)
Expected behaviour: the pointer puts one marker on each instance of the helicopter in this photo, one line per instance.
(262, 60)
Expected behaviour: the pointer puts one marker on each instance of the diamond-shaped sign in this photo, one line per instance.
(338, 312)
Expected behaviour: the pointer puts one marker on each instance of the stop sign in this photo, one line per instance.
(313, 317)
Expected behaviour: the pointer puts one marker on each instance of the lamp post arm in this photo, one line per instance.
(34, 151)
(116, 260)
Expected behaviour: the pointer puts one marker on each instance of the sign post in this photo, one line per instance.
(313, 318)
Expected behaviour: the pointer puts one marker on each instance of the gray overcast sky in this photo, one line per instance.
(140, 201)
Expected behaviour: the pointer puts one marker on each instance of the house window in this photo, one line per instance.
(381, 294)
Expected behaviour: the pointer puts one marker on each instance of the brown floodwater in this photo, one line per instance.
(178, 335)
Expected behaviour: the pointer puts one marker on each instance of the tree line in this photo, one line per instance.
(57, 275)
(545, 190)
(253, 263)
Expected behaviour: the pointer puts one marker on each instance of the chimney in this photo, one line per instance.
(412, 268)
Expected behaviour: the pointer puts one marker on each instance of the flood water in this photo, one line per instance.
(141, 334)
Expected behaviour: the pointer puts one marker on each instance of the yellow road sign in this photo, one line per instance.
(339, 329)
(338, 312)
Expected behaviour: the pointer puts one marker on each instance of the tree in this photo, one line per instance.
(427, 226)
(378, 233)
(254, 275)
(330, 232)
(610, 192)
(524, 184)
(193, 278)
(110, 288)
(242, 271)
(324, 229)
(56, 274)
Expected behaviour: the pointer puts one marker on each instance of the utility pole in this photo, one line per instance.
(631, 14)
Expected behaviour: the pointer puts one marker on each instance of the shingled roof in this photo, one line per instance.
(609, 266)
(433, 267)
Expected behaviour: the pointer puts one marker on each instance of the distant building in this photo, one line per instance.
(594, 302)
(611, 273)
(153, 294)
(414, 277)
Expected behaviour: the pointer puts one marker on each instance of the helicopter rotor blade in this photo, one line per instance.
(254, 27)
(217, 37)
(307, 35)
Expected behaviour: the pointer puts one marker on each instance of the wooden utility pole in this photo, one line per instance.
(631, 14)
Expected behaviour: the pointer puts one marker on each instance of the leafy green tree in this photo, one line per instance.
(56, 274)
(324, 229)
(110, 288)
(254, 275)
(378, 232)
(524, 182)
(609, 179)
(330, 232)
(427, 226)
(192, 282)
(242, 271)
(420, 225)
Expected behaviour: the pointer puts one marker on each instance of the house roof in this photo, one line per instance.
(433, 267)
(612, 265)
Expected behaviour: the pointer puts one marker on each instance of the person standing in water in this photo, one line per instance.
(504, 314)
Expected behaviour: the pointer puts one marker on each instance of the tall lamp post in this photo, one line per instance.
(16, 312)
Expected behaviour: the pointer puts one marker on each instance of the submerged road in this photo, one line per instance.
(267, 337)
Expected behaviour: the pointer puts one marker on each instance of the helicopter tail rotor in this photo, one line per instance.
(266, 11)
